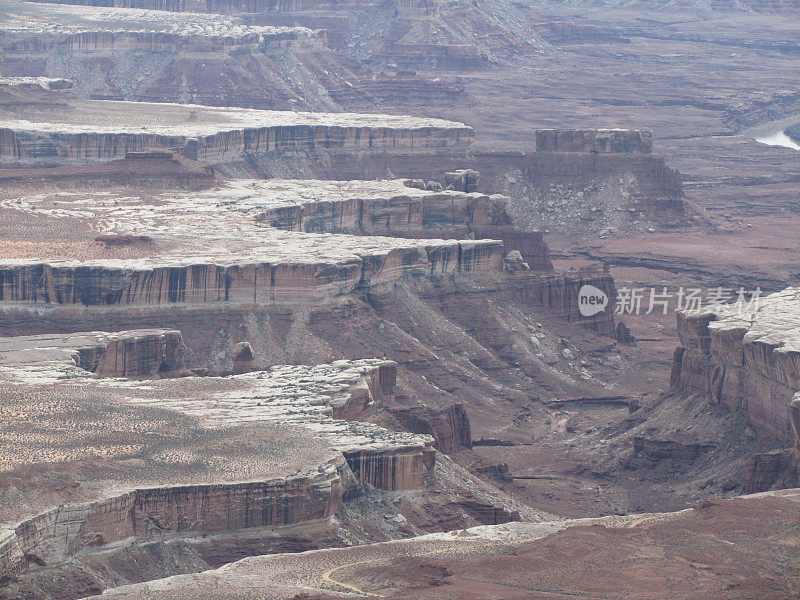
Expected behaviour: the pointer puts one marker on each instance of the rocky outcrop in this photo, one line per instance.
(100, 131)
(402, 212)
(649, 452)
(109, 283)
(605, 141)
(56, 536)
(36, 83)
(30, 144)
(746, 358)
(559, 294)
(450, 427)
(414, 213)
(391, 470)
(778, 469)
(136, 353)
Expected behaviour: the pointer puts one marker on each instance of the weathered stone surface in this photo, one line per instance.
(463, 180)
(450, 427)
(226, 465)
(595, 140)
(209, 247)
(45, 83)
(747, 357)
(99, 131)
(138, 353)
(778, 469)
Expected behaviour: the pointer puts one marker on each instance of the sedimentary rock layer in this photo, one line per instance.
(37, 29)
(526, 560)
(264, 449)
(747, 357)
(606, 141)
(137, 353)
(394, 208)
(209, 247)
(99, 131)
(122, 282)
(52, 538)
(450, 428)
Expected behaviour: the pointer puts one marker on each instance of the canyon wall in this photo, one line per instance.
(661, 185)
(134, 353)
(113, 283)
(391, 470)
(746, 363)
(37, 145)
(157, 41)
(445, 215)
(200, 323)
(54, 537)
(141, 354)
(449, 427)
(605, 141)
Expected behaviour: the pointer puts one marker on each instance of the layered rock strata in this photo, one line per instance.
(264, 449)
(209, 247)
(488, 561)
(747, 358)
(450, 427)
(395, 208)
(605, 141)
(99, 131)
(138, 353)
(37, 29)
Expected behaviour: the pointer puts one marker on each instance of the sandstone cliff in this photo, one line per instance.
(99, 131)
(136, 353)
(605, 141)
(746, 358)
(151, 488)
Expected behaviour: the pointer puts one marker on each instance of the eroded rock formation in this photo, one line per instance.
(100, 131)
(745, 357)
(139, 353)
(594, 140)
(121, 500)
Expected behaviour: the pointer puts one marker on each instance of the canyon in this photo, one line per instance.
(293, 300)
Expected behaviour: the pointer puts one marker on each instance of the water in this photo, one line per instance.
(778, 139)
(772, 134)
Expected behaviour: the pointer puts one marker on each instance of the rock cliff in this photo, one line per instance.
(450, 427)
(100, 131)
(222, 253)
(125, 486)
(746, 358)
(53, 538)
(137, 353)
(394, 209)
(605, 141)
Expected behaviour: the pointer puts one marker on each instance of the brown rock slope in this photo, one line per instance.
(740, 548)
(745, 358)
(102, 476)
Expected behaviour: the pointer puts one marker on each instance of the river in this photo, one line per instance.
(772, 133)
